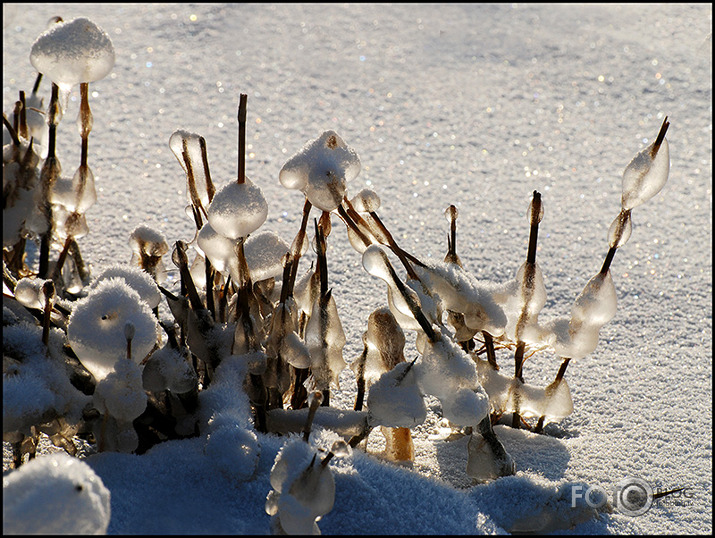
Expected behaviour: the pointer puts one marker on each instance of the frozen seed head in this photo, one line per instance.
(321, 170)
(73, 52)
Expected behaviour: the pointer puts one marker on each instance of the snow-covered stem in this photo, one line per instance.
(413, 306)
(242, 139)
(559, 376)
(129, 335)
(394, 247)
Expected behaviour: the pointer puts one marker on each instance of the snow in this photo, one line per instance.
(73, 51)
(55, 494)
(472, 105)
(238, 209)
(96, 326)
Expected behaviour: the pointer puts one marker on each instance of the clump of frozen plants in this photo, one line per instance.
(106, 366)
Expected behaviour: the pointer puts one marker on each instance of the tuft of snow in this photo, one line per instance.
(55, 494)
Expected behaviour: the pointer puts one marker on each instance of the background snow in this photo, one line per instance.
(476, 105)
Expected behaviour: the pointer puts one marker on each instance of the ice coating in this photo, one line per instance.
(72, 52)
(385, 342)
(303, 489)
(522, 299)
(508, 394)
(69, 224)
(96, 326)
(645, 175)
(76, 194)
(238, 209)
(325, 339)
(219, 249)
(283, 339)
(138, 280)
(482, 463)
(28, 291)
(395, 399)
(121, 392)
(366, 201)
(595, 306)
(444, 368)
(322, 169)
(460, 292)
(376, 263)
(55, 494)
(179, 140)
(620, 230)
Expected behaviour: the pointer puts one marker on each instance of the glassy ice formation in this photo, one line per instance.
(252, 348)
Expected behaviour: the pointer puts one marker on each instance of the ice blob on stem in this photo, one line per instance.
(647, 173)
(73, 52)
(321, 170)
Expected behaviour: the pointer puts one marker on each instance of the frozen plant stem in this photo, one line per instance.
(210, 189)
(527, 287)
(86, 121)
(48, 290)
(49, 174)
(315, 400)
(559, 376)
(242, 139)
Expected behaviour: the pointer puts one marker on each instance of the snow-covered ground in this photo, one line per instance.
(473, 105)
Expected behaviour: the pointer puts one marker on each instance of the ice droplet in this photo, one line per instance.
(645, 176)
